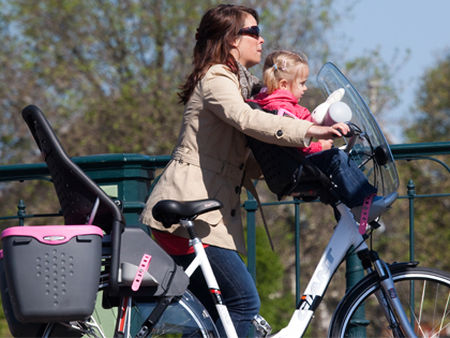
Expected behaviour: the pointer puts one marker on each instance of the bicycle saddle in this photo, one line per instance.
(170, 212)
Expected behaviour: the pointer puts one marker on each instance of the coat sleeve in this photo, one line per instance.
(223, 98)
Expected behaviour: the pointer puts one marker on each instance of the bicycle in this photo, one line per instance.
(150, 293)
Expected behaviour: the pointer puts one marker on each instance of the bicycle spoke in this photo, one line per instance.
(440, 325)
(445, 314)
(421, 302)
(417, 322)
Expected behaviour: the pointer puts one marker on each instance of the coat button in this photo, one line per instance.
(233, 212)
(241, 166)
(237, 189)
(279, 133)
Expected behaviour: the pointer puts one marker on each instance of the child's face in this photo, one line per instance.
(298, 85)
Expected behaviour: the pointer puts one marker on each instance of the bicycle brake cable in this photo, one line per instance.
(353, 250)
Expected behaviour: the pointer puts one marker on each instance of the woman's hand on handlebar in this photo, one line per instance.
(342, 127)
(321, 132)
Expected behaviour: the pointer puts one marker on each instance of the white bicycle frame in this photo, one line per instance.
(345, 235)
(201, 259)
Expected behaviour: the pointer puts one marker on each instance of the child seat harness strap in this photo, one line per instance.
(365, 213)
(143, 267)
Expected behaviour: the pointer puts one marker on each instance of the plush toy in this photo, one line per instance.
(332, 110)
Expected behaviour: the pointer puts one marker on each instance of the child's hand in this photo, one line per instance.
(326, 144)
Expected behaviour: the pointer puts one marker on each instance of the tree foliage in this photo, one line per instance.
(106, 73)
(104, 70)
(432, 120)
(432, 124)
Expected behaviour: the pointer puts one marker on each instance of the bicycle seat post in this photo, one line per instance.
(211, 281)
(188, 224)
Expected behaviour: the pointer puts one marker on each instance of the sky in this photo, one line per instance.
(422, 26)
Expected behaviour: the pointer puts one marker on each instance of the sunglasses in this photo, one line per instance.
(252, 31)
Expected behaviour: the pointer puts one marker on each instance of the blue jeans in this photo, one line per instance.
(235, 282)
(351, 184)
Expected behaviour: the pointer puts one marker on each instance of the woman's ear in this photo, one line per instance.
(235, 42)
(235, 50)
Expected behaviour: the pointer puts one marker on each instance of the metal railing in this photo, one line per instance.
(128, 177)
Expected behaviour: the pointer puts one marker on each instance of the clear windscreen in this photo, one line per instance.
(380, 169)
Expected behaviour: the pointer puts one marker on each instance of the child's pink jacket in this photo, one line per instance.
(283, 99)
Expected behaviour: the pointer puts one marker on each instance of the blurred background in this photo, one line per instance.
(106, 74)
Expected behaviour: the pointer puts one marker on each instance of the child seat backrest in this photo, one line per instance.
(76, 192)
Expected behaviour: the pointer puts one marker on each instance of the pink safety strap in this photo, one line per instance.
(143, 267)
(284, 112)
(365, 213)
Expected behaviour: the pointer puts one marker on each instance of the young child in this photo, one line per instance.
(285, 76)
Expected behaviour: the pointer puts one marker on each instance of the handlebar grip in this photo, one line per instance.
(353, 130)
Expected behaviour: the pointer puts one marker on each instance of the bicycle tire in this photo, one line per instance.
(359, 313)
(185, 317)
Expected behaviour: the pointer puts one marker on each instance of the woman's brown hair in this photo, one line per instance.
(215, 36)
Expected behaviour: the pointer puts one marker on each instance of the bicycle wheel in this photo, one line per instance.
(186, 317)
(423, 292)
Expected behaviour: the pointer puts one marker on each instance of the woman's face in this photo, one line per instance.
(248, 47)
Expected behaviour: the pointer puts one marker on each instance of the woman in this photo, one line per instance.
(211, 154)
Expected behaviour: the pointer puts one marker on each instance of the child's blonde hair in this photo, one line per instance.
(280, 65)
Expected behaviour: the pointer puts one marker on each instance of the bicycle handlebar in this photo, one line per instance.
(353, 135)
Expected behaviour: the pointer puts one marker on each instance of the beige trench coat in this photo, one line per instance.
(211, 154)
